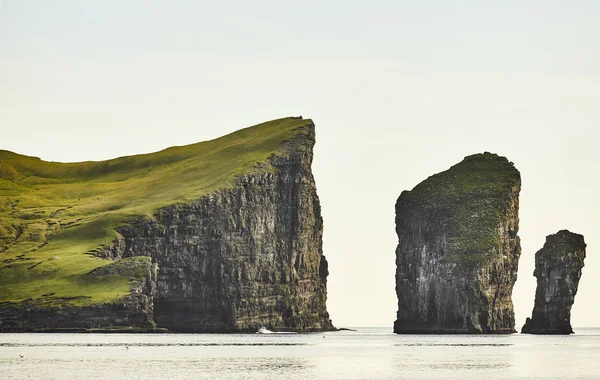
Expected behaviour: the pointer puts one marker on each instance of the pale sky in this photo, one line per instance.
(399, 90)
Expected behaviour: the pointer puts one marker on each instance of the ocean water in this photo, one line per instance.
(368, 353)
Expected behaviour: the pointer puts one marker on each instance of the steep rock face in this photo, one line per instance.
(243, 257)
(134, 313)
(558, 270)
(222, 235)
(458, 249)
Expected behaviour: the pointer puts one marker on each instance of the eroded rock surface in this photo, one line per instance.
(458, 249)
(244, 257)
(558, 268)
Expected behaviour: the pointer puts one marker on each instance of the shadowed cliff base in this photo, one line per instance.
(558, 267)
(224, 235)
(458, 249)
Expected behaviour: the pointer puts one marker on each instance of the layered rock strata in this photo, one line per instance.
(558, 268)
(244, 257)
(458, 249)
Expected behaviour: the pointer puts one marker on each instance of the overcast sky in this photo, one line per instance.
(399, 90)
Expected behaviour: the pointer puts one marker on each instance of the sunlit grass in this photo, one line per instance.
(51, 214)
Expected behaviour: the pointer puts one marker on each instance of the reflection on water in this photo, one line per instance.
(468, 364)
(133, 344)
(429, 344)
(209, 368)
(362, 354)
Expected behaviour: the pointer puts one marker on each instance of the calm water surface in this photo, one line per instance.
(369, 353)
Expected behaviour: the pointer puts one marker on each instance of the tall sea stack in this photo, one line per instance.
(458, 249)
(558, 270)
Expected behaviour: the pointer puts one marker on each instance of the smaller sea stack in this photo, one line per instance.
(558, 270)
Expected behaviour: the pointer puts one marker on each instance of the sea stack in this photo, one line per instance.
(558, 270)
(458, 249)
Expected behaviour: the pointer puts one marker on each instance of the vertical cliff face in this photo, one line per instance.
(558, 270)
(221, 235)
(243, 257)
(458, 249)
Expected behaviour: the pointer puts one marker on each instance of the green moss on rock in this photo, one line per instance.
(458, 249)
(470, 200)
(133, 267)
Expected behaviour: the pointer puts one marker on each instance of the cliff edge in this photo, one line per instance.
(558, 268)
(458, 249)
(224, 235)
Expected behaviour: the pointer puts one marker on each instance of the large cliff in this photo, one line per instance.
(558, 270)
(458, 249)
(224, 235)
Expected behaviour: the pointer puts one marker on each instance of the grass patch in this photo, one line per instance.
(52, 213)
(470, 199)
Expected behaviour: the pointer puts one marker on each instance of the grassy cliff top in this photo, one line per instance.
(560, 246)
(52, 214)
(470, 199)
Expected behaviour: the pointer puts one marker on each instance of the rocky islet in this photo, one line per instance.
(458, 249)
(558, 268)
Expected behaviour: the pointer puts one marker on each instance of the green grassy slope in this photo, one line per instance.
(52, 215)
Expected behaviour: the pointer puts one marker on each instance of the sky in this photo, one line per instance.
(399, 90)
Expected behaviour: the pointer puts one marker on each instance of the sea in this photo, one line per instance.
(367, 353)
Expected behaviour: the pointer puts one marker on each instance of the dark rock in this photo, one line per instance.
(558, 270)
(244, 257)
(458, 249)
